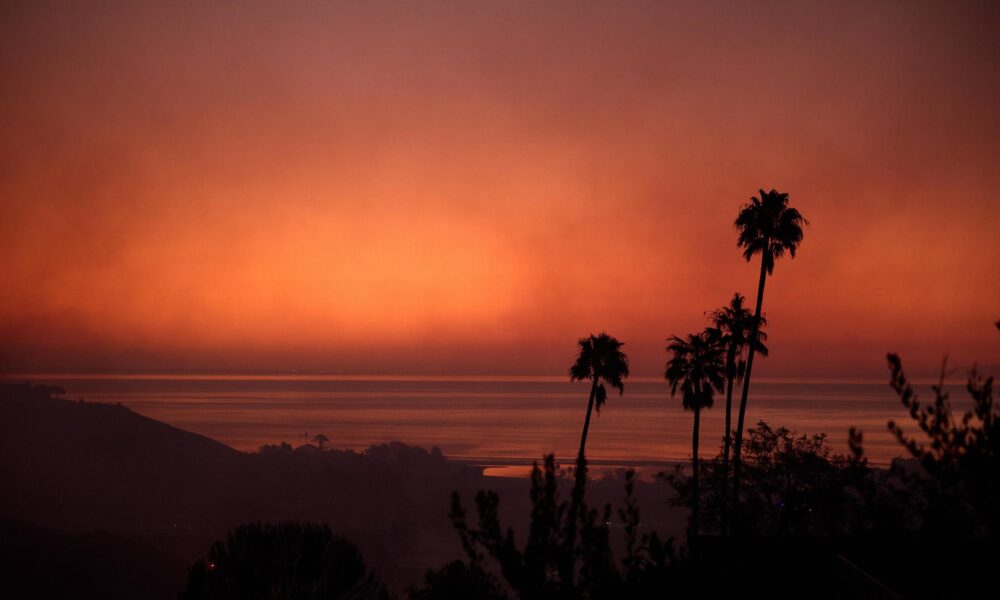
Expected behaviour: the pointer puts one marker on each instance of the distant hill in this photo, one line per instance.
(88, 465)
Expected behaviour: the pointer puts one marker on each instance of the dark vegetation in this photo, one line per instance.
(567, 552)
(958, 475)
(795, 486)
(286, 560)
(818, 524)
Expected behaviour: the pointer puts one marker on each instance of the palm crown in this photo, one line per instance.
(696, 368)
(602, 361)
(731, 328)
(769, 227)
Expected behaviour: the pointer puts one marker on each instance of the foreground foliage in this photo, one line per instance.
(563, 556)
(957, 483)
(794, 485)
(286, 560)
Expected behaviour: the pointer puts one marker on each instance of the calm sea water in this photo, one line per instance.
(489, 421)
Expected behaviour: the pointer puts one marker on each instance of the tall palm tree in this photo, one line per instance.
(769, 227)
(602, 362)
(697, 369)
(731, 326)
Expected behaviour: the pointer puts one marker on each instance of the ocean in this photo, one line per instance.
(501, 423)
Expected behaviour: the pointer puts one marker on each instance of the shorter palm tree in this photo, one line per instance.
(731, 328)
(602, 362)
(696, 368)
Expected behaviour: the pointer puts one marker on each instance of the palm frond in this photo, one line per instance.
(600, 397)
(769, 227)
(696, 367)
(601, 360)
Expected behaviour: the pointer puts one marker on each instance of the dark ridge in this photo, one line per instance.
(96, 465)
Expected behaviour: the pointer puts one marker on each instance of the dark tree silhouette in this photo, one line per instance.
(958, 481)
(285, 560)
(457, 581)
(321, 441)
(697, 369)
(794, 485)
(731, 327)
(547, 565)
(769, 227)
(601, 362)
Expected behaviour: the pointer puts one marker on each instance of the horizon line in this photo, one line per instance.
(243, 375)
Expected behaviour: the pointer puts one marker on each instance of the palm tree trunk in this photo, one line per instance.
(694, 475)
(738, 446)
(586, 422)
(567, 568)
(727, 441)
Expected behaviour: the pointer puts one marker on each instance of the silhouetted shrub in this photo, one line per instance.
(286, 560)
(284, 449)
(794, 485)
(563, 556)
(958, 484)
(458, 581)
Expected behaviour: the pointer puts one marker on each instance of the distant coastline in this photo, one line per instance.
(496, 422)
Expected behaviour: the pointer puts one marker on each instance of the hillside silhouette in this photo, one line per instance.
(82, 464)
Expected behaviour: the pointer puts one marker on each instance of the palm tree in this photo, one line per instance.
(321, 441)
(769, 227)
(697, 369)
(731, 328)
(601, 362)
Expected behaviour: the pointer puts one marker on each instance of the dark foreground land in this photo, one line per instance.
(101, 502)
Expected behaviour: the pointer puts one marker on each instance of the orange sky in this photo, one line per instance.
(442, 188)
